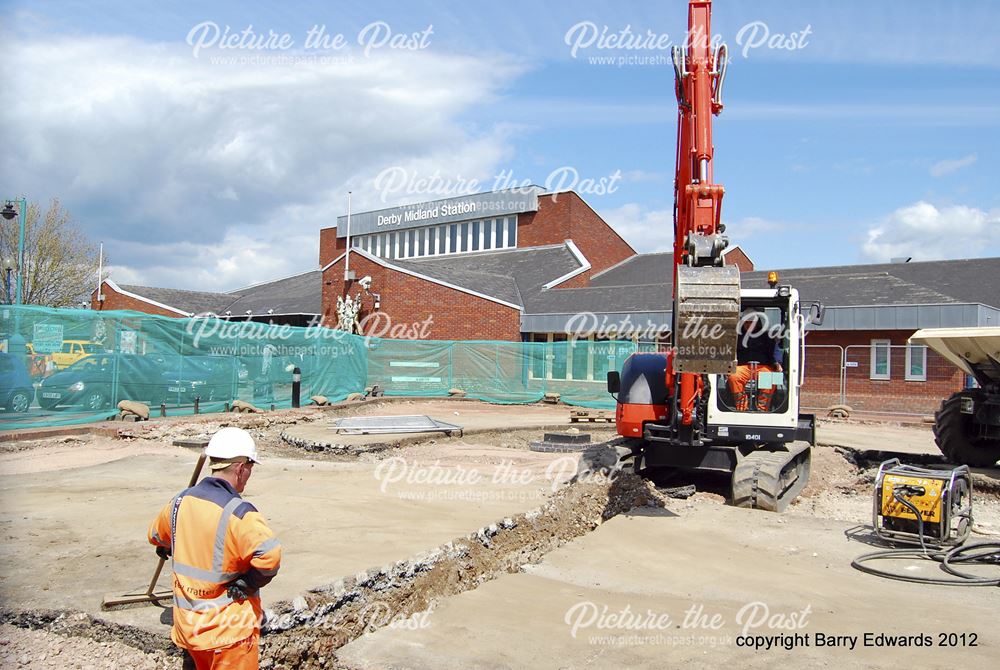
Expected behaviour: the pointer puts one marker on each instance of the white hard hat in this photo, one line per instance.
(230, 443)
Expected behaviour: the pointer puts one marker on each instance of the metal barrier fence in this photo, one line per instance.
(879, 378)
(63, 366)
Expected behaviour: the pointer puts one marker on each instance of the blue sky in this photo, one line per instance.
(876, 137)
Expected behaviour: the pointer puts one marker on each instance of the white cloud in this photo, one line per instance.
(926, 232)
(653, 230)
(207, 176)
(646, 230)
(941, 168)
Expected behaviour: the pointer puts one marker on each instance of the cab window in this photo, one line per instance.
(758, 385)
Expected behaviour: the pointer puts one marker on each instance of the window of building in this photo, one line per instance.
(581, 358)
(916, 363)
(554, 356)
(537, 353)
(880, 354)
(559, 358)
(488, 234)
(442, 233)
(463, 236)
(453, 238)
(511, 231)
(475, 236)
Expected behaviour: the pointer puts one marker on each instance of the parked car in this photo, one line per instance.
(74, 350)
(101, 380)
(16, 391)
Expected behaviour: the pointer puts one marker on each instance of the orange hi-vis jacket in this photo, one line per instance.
(215, 537)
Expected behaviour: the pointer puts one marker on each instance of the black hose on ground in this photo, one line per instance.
(982, 553)
(985, 553)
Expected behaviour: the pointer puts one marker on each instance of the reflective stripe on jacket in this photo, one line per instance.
(215, 537)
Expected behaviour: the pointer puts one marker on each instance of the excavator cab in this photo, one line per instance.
(759, 401)
(760, 381)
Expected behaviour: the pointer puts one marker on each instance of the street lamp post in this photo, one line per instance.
(15, 344)
(8, 267)
(21, 212)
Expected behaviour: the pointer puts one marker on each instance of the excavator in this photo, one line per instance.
(682, 410)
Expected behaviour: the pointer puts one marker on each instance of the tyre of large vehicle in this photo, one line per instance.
(953, 432)
(19, 400)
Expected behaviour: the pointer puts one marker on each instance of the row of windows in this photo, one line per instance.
(584, 362)
(448, 238)
(916, 361)
(584, 359)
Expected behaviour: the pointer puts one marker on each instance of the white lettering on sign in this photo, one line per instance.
(389, 219)
(445, 209)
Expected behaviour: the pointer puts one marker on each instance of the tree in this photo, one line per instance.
(60, 262)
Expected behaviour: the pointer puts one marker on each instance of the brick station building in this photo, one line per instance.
(527, 265)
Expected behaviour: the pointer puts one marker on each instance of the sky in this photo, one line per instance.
(206, 143)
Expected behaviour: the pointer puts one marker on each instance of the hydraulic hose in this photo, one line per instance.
(980, 553)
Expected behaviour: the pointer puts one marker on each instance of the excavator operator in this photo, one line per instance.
(757, 350)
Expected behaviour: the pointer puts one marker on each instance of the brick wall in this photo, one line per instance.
(566, 216)
(329, 246)
(408, 301)
(736, 256)
(896, 394)
(115, 300)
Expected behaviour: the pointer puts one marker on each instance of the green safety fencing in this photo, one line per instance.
(68, 366)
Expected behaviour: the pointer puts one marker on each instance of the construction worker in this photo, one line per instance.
(222, 554)
(757, 350)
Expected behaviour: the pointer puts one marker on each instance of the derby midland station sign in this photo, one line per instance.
(462, 208)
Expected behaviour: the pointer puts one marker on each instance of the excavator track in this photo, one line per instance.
(770, 479)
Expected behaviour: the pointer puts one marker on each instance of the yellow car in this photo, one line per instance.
(74, 350)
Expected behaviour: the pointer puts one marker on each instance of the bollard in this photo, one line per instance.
(197, 401)
(272, 406)
(163, 409)
(226, 407)
(296, 387)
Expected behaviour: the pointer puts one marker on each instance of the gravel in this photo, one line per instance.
(41, 650)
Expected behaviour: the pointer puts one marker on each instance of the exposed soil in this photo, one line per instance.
(45, 650)
(307, 631)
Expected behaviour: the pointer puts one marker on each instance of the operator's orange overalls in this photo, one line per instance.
(766, 352)
(738, 383)
(216, 537)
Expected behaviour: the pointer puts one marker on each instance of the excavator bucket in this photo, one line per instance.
(708, 312)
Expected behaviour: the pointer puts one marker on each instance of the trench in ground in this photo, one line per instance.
(308, 631)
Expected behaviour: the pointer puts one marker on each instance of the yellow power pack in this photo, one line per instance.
(929, 503)
(942, 497)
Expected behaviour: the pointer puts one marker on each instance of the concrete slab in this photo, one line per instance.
(675, 590)
(472, 416)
